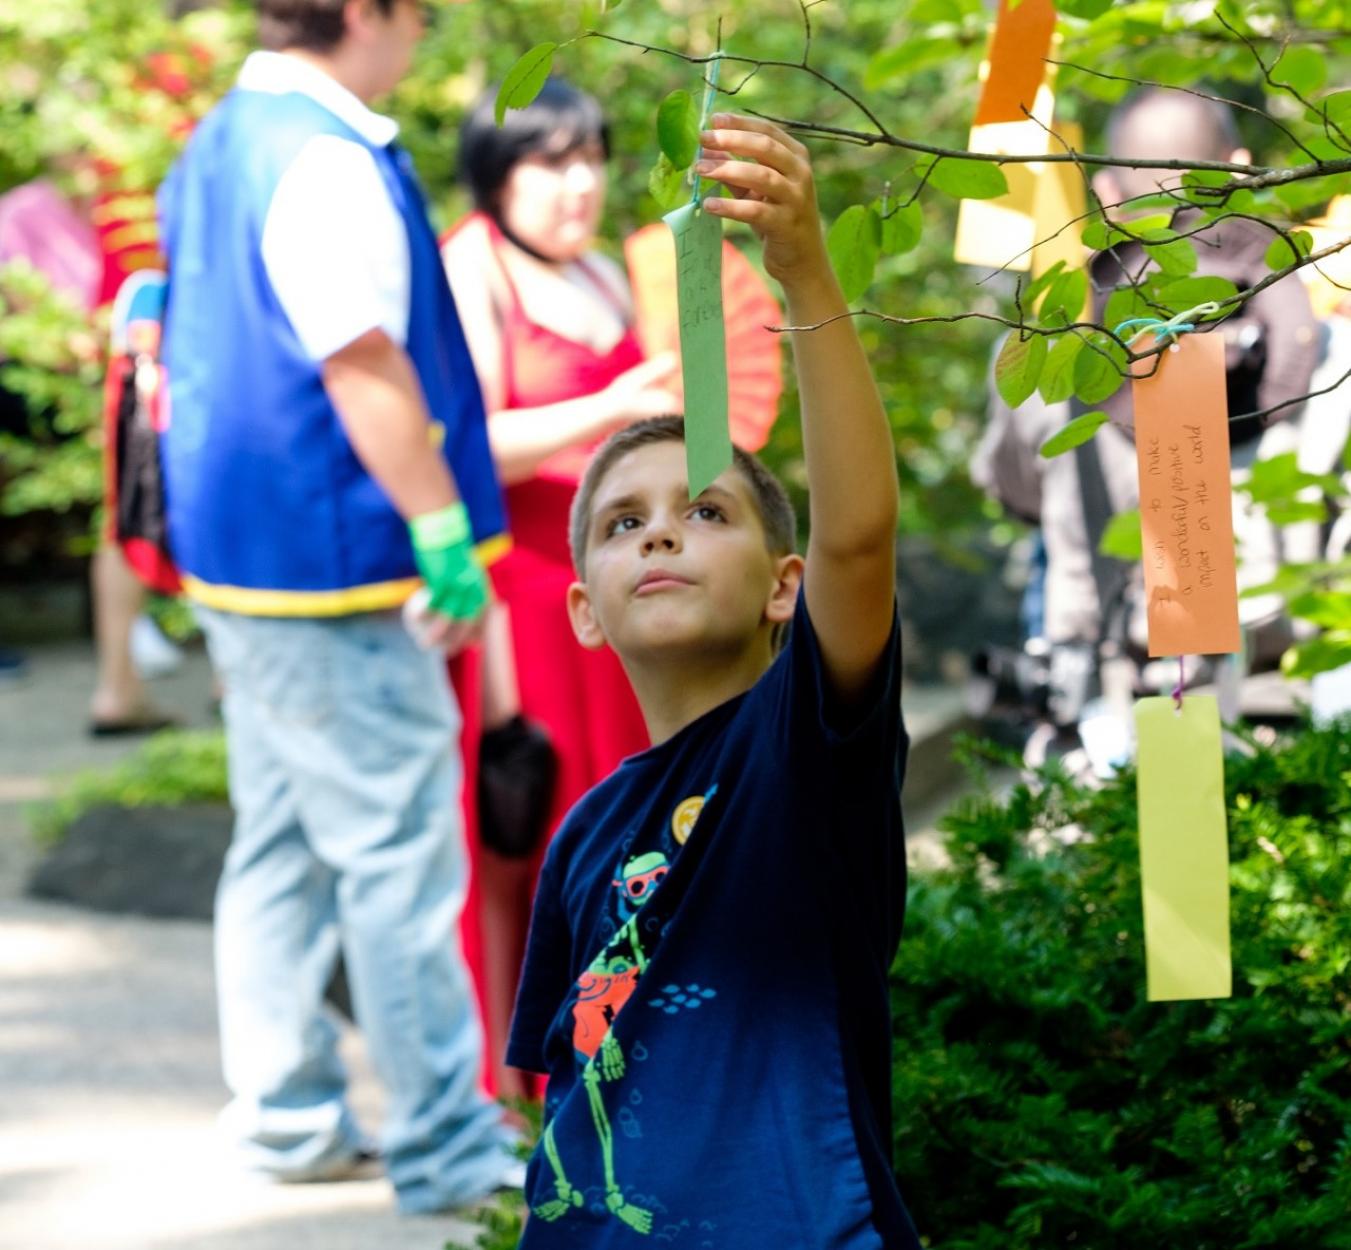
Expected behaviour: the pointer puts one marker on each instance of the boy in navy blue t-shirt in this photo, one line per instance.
(706, 978)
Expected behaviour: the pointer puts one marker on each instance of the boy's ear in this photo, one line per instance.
(583, 617)
(782, 604)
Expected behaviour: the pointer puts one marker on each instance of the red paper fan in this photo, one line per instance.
(754, 376)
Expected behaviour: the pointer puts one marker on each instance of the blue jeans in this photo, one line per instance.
(345, 780)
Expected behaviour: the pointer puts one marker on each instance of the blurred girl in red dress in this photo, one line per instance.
(550, 326)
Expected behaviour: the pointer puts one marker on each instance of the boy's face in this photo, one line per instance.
(667, 575)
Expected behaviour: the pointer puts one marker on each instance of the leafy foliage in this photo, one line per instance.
(52, 358)
(503, 1221)
(1041, 1101)
(176, 766)
(76, 85)
(1320, 591)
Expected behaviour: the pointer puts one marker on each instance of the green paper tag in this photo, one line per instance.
(1184, 848)
(703, 343)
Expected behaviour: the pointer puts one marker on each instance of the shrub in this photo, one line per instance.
(1041, 1101)
(176, 766)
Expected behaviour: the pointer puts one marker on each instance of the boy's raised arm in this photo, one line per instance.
(851, 467)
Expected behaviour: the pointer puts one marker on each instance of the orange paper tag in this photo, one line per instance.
(1182, 443)
(1022, 38)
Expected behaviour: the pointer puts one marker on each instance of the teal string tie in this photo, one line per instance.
(710, 94)
(1181, 324)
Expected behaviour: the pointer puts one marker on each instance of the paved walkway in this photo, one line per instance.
(109, 1067)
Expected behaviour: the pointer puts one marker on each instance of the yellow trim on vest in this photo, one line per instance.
(491, 550)
(250, 601)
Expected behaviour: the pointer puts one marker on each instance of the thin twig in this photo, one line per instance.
(1201, 95)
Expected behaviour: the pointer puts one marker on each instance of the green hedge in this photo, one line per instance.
(1041, 1101)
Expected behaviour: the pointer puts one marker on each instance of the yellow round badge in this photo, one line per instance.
(682, 820)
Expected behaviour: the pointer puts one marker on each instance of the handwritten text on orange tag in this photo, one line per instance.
(1022, 38)
(1182, 443)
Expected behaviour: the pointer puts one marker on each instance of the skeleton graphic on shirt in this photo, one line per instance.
(602, 990)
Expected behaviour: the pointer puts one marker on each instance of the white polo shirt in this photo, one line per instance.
(334, 245)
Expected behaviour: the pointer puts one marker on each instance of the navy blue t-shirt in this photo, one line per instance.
(706, 981)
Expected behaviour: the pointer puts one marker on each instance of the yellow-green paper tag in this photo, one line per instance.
(703, 343)
(1184, 849)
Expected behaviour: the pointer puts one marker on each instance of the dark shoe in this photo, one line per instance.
(146, 720)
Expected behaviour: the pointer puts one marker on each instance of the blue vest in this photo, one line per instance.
(270, 511)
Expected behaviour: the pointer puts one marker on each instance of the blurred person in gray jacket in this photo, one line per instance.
(1271, 348)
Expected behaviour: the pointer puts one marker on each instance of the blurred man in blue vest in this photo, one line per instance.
(326, 454)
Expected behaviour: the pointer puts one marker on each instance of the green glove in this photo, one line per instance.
(444, 550)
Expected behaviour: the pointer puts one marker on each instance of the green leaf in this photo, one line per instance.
(1097, 234)
(1070, 436)
(666, 183)
(1279, 254)
(1186, 293)
(1296, 512)
(902, 225)
(1123, 539)
(1124, 304)
(1056, 383)
(524, 79)
(1174, 257)
(1029, 293)
(853, 244)
(1318, 655)
(1326, 609)
(1313, 192)
(1290, 581)
(1087, 9)
(1099, 374)
(1202, 188)
(931, 12)
(1152, 228)
(966, 180)
(1303, 68)
(1337, 109)
(678, 128)
(1279, 479)
(1019, 366)
(1066, 295)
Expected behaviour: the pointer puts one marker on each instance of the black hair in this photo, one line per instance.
(559, 120)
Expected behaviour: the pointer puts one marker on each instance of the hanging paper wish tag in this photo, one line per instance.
(1184, 849)
(1059, 207)
(1022, 38)
(703, 343)
(998, 233)
(1182, 444)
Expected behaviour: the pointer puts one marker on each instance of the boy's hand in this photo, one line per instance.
(773, 193)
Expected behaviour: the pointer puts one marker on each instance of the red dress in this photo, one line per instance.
(582, 698)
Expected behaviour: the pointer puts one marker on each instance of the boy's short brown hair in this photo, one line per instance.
(771, 500)
(313, 24)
